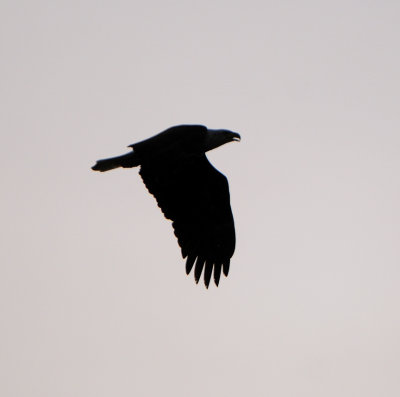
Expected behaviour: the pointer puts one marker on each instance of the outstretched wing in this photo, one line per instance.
(195, 196)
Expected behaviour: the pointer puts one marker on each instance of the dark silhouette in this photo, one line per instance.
(189, 191)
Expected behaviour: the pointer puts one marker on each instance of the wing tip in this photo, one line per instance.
(211, 269)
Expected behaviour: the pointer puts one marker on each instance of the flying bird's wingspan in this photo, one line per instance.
(189, 191)
(195, 196)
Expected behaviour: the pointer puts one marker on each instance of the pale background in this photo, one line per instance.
(94, 298)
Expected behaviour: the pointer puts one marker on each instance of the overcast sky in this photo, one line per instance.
(93, 293)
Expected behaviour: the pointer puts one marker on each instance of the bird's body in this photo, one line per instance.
(189, 191)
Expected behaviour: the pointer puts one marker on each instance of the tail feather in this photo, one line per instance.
(128, 160)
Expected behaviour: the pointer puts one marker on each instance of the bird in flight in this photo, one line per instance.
(190, 192)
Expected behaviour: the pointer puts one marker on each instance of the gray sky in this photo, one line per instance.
(94, 297)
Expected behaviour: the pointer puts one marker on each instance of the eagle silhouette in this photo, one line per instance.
(190, 192)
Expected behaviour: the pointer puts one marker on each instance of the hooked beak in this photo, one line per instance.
(216, 138)
(236, 137)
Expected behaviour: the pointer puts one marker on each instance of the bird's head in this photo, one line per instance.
(215, 138)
